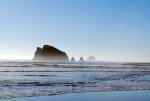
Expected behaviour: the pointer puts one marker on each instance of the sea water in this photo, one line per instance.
(30, 78)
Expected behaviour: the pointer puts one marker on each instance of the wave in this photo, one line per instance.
(26, 79)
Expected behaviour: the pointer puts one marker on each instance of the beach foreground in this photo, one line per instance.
(92, 96)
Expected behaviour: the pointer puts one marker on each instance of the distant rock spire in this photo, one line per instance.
(81, 59)
(73, 59)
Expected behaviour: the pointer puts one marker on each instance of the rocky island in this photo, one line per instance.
(50, 53)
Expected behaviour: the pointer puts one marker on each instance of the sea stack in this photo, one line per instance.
(91, 58)
(73, 59)
(50, 53)
(81, 59)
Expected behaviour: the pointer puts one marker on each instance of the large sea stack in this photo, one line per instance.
(50, 53)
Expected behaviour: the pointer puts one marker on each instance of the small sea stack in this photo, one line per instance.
(91, 58)
(81, 59)
(73, 59)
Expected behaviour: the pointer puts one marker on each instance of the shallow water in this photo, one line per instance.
(92, 96)
(29, 78)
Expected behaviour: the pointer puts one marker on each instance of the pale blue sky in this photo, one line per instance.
(110, 30)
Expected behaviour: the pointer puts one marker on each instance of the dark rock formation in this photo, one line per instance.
(91, 58)
(50, 53)
(81, 59)
(73, 59)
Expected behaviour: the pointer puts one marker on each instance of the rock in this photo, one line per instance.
(50, 53)
(73, 59)
(81, 59)
(91, 58)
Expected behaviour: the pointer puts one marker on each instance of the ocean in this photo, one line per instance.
(19, 79)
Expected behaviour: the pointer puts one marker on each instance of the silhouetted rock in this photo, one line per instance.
(73, 59)
(81, 59)
(91, 58)
(50, 53)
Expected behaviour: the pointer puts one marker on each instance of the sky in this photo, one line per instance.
(110, 30)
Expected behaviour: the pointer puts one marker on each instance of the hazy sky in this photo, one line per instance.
(110, 30)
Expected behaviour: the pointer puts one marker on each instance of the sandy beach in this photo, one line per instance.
(92, 96)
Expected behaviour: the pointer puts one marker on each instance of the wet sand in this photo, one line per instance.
(92, 96)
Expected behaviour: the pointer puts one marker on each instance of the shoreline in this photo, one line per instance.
(137, 95)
